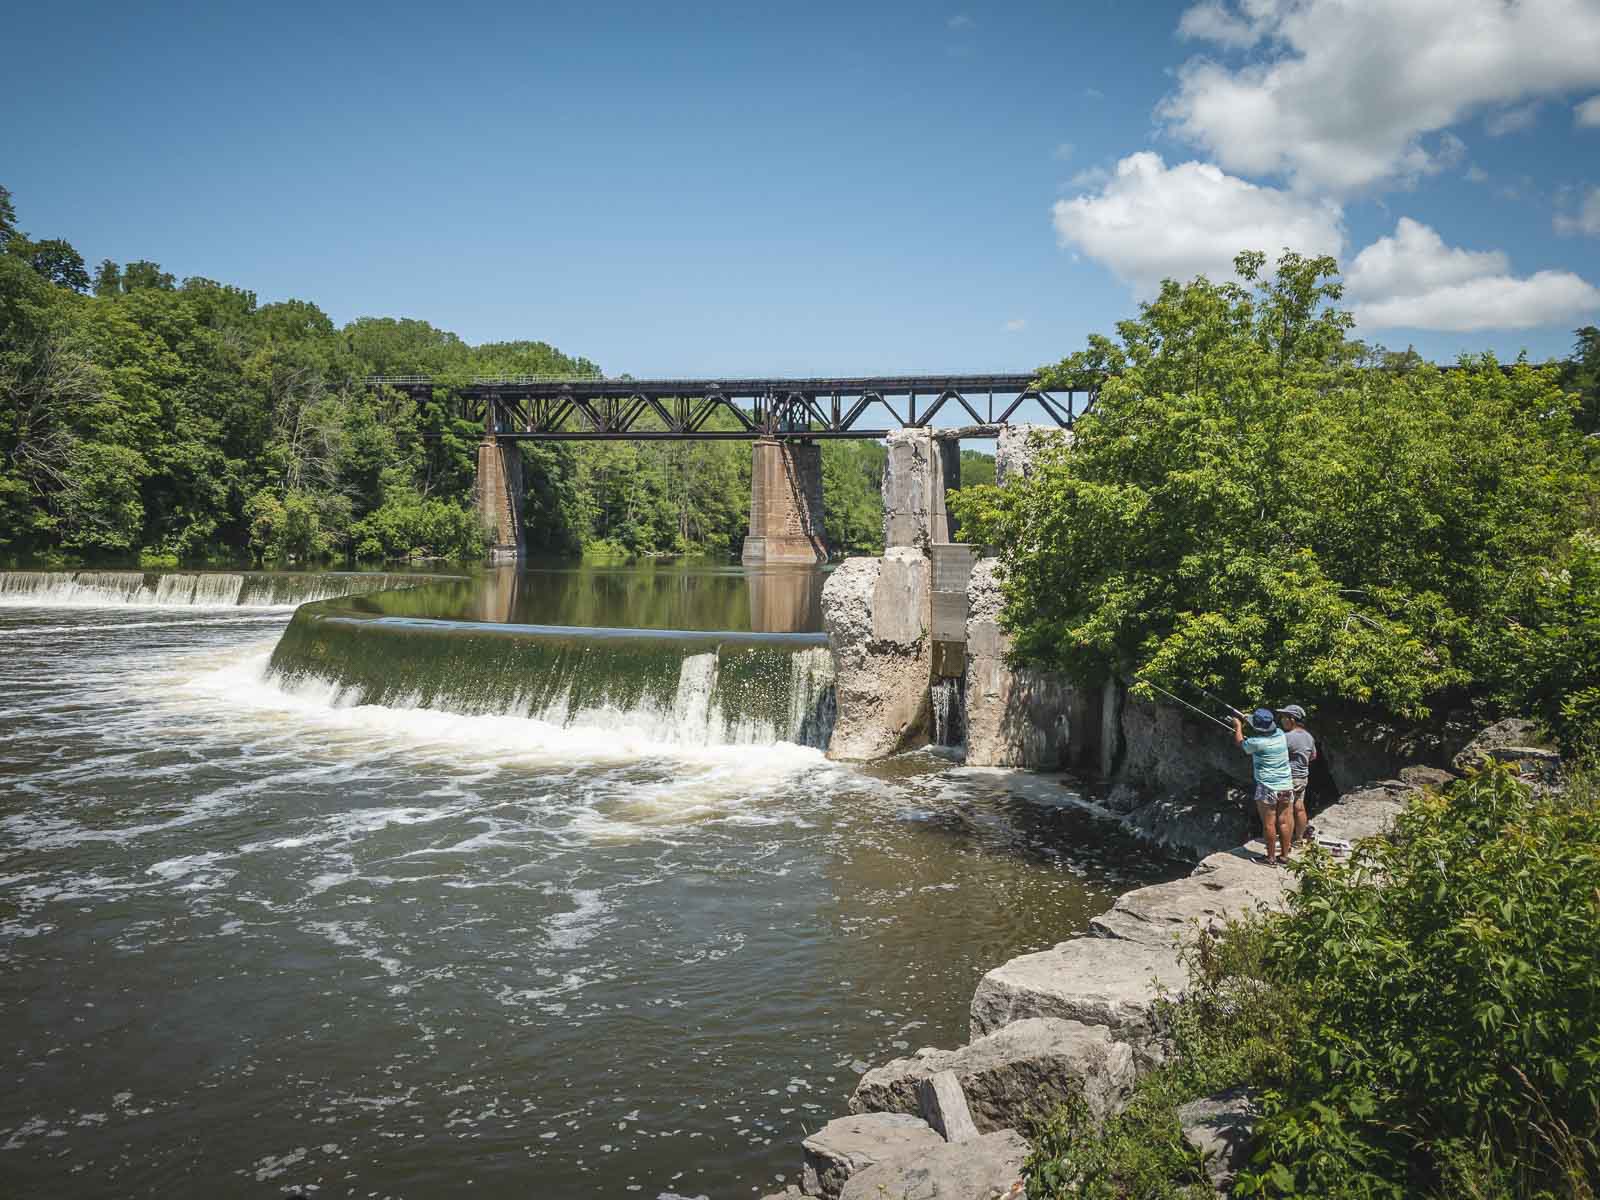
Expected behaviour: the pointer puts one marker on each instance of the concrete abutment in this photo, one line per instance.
(499, 498)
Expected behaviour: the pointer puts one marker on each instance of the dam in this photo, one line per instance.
(538, 878)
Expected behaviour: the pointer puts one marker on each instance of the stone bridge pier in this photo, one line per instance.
(785, 504)
(499, 498)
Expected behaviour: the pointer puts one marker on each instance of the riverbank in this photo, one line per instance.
(1080, 1019)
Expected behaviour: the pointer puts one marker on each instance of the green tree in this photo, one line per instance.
(1253, 507)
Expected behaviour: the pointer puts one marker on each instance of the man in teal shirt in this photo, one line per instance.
(1274, 792)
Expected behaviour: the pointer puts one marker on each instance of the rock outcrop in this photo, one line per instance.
(1024, 1068)
(1225, 885)
(1015, 716)
(875, 611)
(981, 1169)
(1097, 981)
(1222, 1127)
(848, 1145)
(1514, 740)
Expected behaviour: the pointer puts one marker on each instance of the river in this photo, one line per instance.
(261, 936)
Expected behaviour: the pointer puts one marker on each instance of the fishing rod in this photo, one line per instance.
(1199, 711)
(1217, 699)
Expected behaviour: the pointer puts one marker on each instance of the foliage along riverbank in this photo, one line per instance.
(1423, 1020)
(1262, 504)
(147, 420)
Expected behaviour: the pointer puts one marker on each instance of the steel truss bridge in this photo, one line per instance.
(535, 408)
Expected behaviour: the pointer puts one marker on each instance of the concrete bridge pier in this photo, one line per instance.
(785, 504)
(499, 497)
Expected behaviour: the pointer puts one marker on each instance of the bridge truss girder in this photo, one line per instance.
(684, 410)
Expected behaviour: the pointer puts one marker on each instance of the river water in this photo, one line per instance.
(258, 937)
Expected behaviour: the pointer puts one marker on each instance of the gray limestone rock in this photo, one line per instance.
(847, 1145)
(874, 610)
(1018, 447)
(1162, 914)
(981, 1169)
(1098, 981)
(1514, 740)
(1222, 1128)
(1193, 826)
(1367, 812)
(1023, 1069)
(791, 1192)
(1014, 716)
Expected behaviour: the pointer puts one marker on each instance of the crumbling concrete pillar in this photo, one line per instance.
(499, 498)
(1015, 716)
(785, 504)
(919, 469)
(876, 614)
(1018, 447)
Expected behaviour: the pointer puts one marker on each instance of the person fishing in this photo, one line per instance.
(1302, 753)
(1268, 749)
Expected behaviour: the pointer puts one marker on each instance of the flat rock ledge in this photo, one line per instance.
(1097, 981)
(847, 1145)
(985, 1168)
(1028, 1067)
(1225, 886)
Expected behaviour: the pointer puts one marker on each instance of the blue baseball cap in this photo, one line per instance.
(1263, 721)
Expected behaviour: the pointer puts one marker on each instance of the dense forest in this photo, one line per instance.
(164, 421)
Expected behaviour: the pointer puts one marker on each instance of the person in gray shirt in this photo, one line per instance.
(1302, 750)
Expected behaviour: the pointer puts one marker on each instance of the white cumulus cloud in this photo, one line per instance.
(1587, 114)
(1150, 222)
(1016, 325)
(1412, 280)
(1340, 95)
(1586, 219)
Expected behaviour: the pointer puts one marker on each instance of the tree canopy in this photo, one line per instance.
(177, 421)
(1261, 504)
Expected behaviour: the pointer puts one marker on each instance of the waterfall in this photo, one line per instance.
(186, 589)
(947, 695)
(685, 688)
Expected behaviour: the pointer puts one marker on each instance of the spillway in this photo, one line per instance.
(190, 589)
(669, 686)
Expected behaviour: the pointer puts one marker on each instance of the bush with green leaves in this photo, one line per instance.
(1424, 1020)
(1260, 504)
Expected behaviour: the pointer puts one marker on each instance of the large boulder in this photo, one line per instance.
(847, 1145)
(875, 611)
(1014, 716)
(1164, 913)
(1514, 740)
(1026, 1067)
(1222, 1127)
(1098, 981)
(1197, 824)
(980, 1169)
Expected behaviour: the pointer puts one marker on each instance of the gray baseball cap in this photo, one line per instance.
(1293, 710)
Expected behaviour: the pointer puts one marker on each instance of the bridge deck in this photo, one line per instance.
(562, 409)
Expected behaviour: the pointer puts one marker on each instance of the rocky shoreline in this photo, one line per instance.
(1081, 1016)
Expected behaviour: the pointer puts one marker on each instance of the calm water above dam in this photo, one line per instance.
(262, 934)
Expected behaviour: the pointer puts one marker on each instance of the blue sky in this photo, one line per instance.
(687, 189)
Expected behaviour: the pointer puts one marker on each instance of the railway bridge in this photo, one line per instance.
(786, 419)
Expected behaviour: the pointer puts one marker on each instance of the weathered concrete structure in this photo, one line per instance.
(499, 497)
(875, 611)
(786, 504)
(919, 468)
(1018, 716)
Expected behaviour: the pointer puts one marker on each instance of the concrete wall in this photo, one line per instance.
(786, 504)
(875, 611)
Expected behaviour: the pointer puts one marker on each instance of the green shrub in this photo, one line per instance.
(1453, 973)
